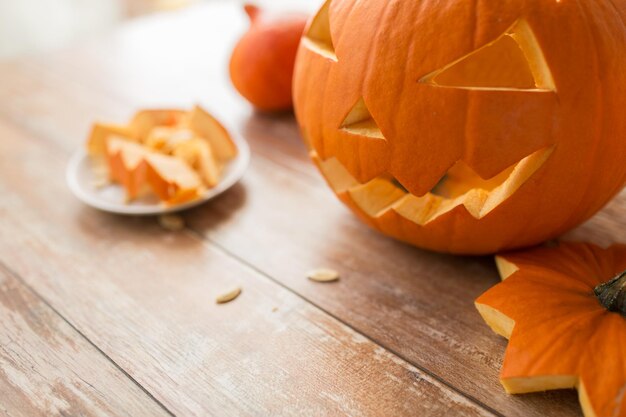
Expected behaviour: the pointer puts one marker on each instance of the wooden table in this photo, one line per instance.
(109, 315)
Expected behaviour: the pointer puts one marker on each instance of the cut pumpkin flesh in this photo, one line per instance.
(165, 139)
(198, 154)
(208, 128)
(96, 146)
(174, 154)
(139, 169)
(145, 120)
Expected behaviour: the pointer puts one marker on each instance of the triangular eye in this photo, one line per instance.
(360, 122)
(514, 61)
(318, 37)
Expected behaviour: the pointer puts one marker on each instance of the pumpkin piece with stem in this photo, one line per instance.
(562, 309)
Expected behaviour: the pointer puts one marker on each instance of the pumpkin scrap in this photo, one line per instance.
(563, 311)
(172, 222)
(228, 296)
(171, 153)
(323, 275)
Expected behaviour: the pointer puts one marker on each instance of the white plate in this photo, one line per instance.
(82, 180)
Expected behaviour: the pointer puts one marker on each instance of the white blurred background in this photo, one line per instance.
(32, 26)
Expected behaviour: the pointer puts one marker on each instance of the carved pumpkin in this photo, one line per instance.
(463, 126)
(563, 310)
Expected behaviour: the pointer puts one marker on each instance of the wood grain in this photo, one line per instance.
(49, 369)
(146, 298)
(416, 303)
(283, 220)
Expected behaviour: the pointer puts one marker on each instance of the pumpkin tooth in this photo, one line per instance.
(385, 193)
(522, 171)
(337, 176)
(461, 178)
(417, 209)
(473, 201)
(377, 196)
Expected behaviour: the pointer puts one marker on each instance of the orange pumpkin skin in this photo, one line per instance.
(261, 66)
(385, 92)
(560, 335)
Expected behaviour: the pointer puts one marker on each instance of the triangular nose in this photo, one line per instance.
(359, 121)
(514, 61)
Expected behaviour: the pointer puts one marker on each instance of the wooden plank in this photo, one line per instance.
(146, 297)
(49, 369)
(417, 304)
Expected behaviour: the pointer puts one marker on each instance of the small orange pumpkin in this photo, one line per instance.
(261, 66)
(563, 310)
(463, 126)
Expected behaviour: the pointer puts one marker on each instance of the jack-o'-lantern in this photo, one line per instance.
(464, 126)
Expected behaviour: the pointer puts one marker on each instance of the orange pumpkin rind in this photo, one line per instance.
(560, 335)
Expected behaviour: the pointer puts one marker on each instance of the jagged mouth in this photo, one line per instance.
(460, 186)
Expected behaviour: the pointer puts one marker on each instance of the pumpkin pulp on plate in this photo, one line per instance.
(173, 154)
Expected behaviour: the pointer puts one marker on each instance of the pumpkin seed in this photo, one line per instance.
(172, 222)
(228, 296)
(323, 275)
(100, 183)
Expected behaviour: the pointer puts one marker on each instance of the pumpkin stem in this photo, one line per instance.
(612, 294)
(252, 11)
